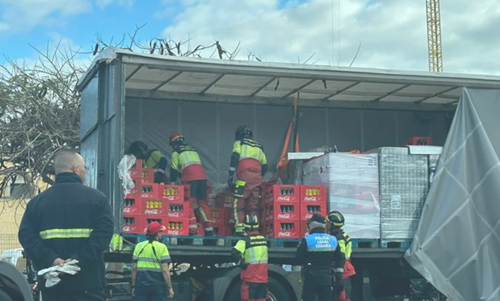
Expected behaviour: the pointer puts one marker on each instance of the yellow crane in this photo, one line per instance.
(434, 36)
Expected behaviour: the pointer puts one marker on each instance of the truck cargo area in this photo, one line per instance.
(128, 96)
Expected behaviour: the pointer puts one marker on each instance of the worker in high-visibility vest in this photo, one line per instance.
(336, 221)
(251, 253)
(151, 158)
(249, 162)
(187, 162)
(150, 269)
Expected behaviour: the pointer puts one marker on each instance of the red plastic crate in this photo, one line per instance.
(136, 191)
(154, 218)
(171, 193)
(145, 190)
(132, 206)
(178, 210)
(136, 170)
(217, 215)
(133, 225)
(284, 229)
(177, 226)
(282, 211)
(282, 194)
(154, 206)
(313, 194)
(418, 141)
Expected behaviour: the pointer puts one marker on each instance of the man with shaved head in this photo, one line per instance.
(69, 221)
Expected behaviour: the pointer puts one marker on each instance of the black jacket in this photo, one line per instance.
(318, 260)
(68, 220)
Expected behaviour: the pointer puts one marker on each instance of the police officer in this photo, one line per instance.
(69, 221)
(317, 253)
(251, 252)
(336, 221)
(187, 162)
(249, 162)
(152, 158)
(150, 268)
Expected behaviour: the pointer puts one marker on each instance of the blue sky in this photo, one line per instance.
(111, 21)
(389, 34)
(109, 18)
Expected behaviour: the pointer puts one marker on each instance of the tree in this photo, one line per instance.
(40, 108)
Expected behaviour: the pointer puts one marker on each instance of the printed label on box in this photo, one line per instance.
(396, 202)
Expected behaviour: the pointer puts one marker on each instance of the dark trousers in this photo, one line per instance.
(317, 285)
(253, 291)
(150, 293)
(58, 295)
(315, 292)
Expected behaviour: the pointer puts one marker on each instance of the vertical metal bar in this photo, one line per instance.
(362, 130)
(396, 126)
(217, 141)
(327, 126)
(119, 141)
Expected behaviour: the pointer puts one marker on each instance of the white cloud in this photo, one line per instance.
(392, 33)
(25, 14)
(104, 3)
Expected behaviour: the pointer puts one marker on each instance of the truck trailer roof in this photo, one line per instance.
(156, 76)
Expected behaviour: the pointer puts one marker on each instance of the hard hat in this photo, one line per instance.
(318, 218)
(243, 131)
(336, 219)
(251, 222)
(154, 227)
(176, 137)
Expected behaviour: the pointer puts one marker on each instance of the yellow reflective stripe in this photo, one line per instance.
(65, 233)
(189, 158)
(256, 255)
(148, 269)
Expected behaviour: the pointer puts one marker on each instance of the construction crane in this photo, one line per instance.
(434, 36)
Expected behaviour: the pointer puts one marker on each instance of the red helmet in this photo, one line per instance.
(175, 137)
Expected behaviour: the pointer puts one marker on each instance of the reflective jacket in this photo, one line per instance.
(253, 254)
(248, 154)
(68, 220)
(156, 160)
(186, 160)
(346, 248)
(149, 256)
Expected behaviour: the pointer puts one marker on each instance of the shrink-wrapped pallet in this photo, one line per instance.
(352, 183)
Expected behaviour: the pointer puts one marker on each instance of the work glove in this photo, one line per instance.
(159, 177)
(230, 181)
(52, 274)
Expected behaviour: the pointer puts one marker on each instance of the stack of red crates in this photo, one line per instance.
(312, 200)
(288, 207)
(148, 202)
(282, 211)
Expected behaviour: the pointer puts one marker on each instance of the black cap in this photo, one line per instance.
(317, 218)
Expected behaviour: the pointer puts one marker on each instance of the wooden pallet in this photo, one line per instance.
(395, 244)
(364, 243)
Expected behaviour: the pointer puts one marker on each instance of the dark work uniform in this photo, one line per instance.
(69, 220)
(317, 253)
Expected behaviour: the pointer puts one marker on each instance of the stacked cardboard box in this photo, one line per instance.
(404, 181)
(352, 187)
